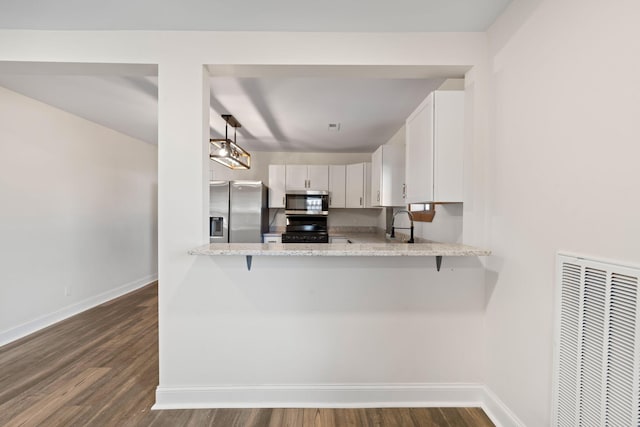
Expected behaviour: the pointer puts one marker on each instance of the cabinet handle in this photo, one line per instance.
(360, 201)
(378, 195)
(282, 200)
(404, 191)
(330, 202)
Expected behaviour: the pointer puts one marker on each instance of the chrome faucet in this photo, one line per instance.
(393, 229)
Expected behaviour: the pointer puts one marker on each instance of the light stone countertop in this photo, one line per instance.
(364, 244)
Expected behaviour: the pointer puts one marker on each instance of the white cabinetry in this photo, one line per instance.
(358, 187)
(296, 177)
(349, 186)
(367, 185)
(307, 177)
(318, 176)
(276, 186)
(387, 176)
(434, 149)
(337, 186)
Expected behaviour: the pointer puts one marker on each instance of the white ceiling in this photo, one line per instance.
(252, 15)
(293, 114)
(280, 108)
(123, 97)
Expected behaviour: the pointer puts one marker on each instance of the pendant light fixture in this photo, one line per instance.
(226, 151)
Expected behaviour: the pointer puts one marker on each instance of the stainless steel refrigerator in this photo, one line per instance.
(238, 211)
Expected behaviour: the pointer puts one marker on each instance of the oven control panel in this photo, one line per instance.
(305, 238)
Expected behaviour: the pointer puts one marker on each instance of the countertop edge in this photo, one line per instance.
(339, 249)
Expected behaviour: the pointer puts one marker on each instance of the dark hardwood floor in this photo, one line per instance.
(100, 368)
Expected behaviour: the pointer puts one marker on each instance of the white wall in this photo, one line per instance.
(558, 172)
(564, 173)
(446, 225)
(233, 337)
(413, 323)
(78, 213)
(305, 322)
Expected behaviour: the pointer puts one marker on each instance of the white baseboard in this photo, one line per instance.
(321, 396)
(339, 396)
(49, 319)
(498, 412)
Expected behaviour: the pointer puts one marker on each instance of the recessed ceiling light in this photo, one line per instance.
(334, 127)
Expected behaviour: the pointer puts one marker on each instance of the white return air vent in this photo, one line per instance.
(596, 366)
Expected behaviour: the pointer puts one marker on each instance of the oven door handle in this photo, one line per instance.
(295, 212)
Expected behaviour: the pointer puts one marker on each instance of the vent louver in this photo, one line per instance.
(596, 368)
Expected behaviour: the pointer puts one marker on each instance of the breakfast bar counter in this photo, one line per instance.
(361, 246)
(340, 249)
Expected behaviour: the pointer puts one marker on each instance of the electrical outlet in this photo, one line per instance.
(67, 291)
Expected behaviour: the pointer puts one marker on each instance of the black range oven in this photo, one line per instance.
(306, 229)
(307, 213)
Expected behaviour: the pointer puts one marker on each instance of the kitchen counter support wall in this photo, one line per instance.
(385, 330)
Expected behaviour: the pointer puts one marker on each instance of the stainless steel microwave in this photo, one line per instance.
(308, 202)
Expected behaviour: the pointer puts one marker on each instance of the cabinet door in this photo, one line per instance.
(337, 186)
(296, 177)
(388, 175)
(449, 146)
(318, 177)
(355, 186)
(393, 175)
(419, 153)
(376, 177)
(276, 186)
(366, 190)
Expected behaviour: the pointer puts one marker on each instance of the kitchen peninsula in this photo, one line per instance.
(361, 245)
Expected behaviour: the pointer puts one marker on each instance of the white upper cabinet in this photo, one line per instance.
(318, 176)
(358, 185)
(376, 176)
(434, 149)
(307, 177)
(296, 177)
(337, 186)
(355, 186)
(388, 175)
(276, 186)
(367, 185)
